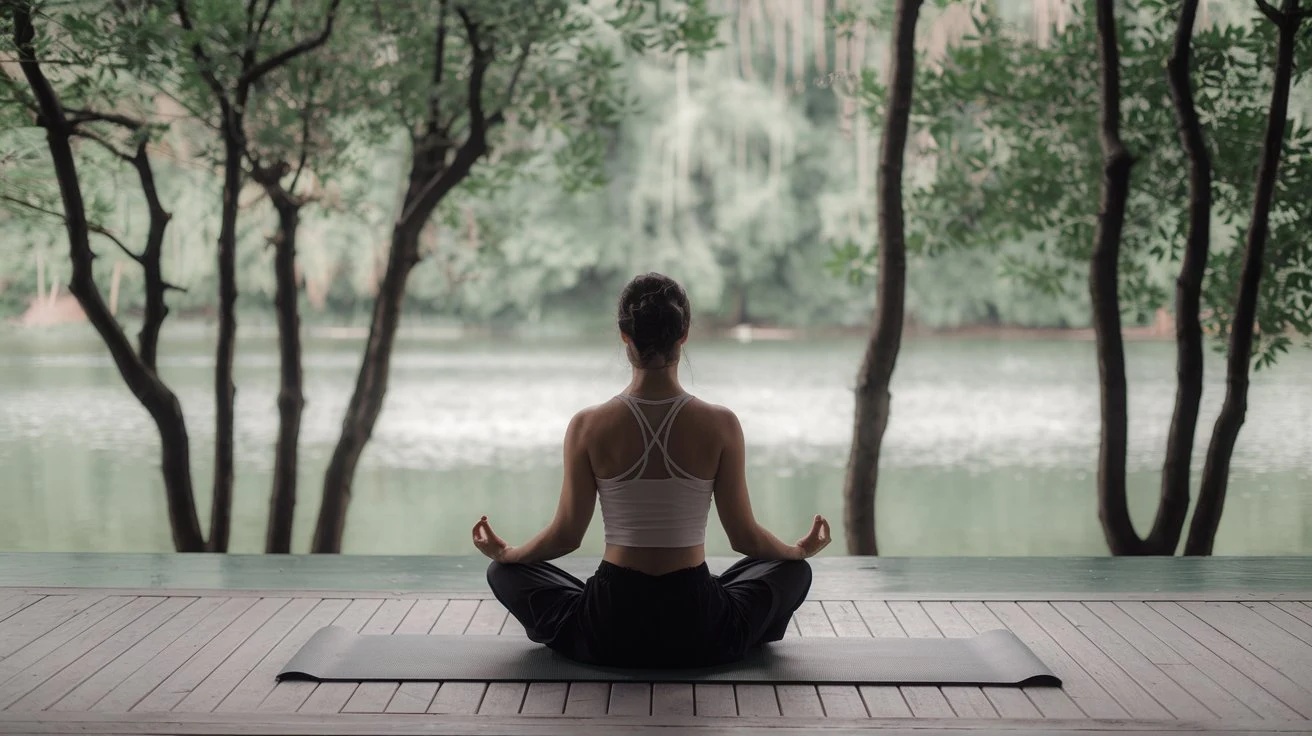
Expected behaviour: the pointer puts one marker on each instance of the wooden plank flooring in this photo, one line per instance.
(1219, 665)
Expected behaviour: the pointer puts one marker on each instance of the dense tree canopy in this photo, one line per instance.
(738, 172)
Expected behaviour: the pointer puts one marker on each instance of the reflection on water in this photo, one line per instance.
(991, 449)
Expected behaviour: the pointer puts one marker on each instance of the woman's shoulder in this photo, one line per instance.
(717, 416)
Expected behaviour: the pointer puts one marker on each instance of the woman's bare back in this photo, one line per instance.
(616, 442)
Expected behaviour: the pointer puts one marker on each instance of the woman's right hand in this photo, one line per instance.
(816, 540)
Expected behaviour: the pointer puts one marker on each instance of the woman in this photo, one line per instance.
(656, 457)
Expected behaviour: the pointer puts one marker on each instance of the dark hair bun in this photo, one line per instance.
(654, 313)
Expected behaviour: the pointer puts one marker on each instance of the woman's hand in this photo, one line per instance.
(816, 540)
(489, 543)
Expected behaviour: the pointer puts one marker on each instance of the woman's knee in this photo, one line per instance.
(798, 574)
(496, 574)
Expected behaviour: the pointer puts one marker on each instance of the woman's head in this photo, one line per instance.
(654, 315)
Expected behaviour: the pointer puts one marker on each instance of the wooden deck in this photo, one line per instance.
(139, 658)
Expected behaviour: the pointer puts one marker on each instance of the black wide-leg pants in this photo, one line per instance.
(624, 618)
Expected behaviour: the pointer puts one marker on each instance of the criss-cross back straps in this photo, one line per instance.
(652, 436)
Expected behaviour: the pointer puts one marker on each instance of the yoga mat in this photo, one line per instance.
(991, 658)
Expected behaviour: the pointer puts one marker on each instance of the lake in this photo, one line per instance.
(991, 449)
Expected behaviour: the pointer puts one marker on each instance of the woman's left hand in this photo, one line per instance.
(487, 542)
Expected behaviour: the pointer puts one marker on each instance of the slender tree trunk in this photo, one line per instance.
(1169, 523)
(1113, 510)
(370, 389)
(291, 395)
(141, 379)
(225, 392)
(431, 179)
(156, 309)
(1216, 469)
(872, 390)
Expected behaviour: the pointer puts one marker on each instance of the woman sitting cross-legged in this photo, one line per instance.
(656, 457)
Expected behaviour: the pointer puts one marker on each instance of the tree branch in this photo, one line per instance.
(250, 18)
(202, 59)
(92, 227)
(1275, 16)
(475, 144)
(254, 73)
(77, 116)
(477, 122)
(439, 67)
(264, 18)
(307, 115)
(93, 136)
(500, 115)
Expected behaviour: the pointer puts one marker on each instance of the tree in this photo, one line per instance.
(61, 124)
(139, 44)
(1169, 524)
(311, 117)
(872, 389)
(537, 66)
(1104, 286)
(1017, 150)
(248, 38)
(1216, 471)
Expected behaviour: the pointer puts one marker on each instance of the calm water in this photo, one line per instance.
(991, 449)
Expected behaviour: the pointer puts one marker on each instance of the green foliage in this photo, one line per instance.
(1012, 156)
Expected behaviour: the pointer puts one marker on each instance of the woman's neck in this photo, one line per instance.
(655, 383)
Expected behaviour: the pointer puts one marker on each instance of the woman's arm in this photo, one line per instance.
(578, 499)
(746, 536)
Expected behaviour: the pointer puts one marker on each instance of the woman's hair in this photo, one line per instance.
(655, 315)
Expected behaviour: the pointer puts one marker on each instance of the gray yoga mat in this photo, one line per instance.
(991, 658)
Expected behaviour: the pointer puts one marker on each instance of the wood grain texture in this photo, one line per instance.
(291, 695)
(31, 622)
(36, 673)
(1087, 693)
(104, 650)
(98, 685)
(458, 697)
(1248, 662)
(210, 724)
(261, 680)
(170, 692)
(713, 701)
(503, 698)
(630, 699)
(1237, 683)
(545, 698)
(136, 686)
(233, 671)
(587, 699)
(672, 699)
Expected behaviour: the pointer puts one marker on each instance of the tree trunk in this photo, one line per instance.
(145, 385)
(1113, 510)
(224, 390)
(370, 389)
(291, 396)
(1216, 469)
(872, 389)
(116, 277)
(431, 179)
(156, 310)
(1164, 537)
